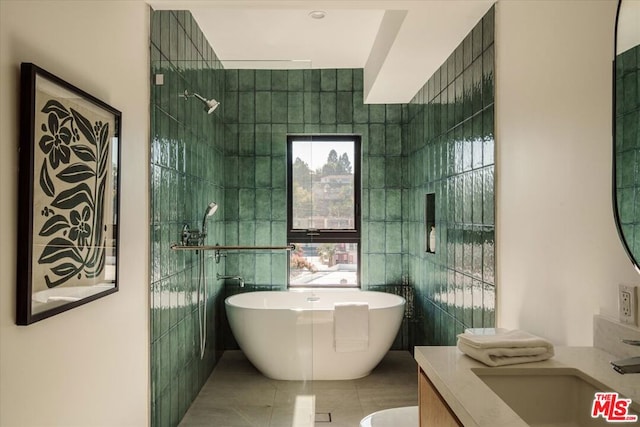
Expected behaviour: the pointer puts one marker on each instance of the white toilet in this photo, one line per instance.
(395, 417)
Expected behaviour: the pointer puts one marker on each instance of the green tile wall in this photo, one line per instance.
(628, 146)
(261, 108)
(441, 142)
(450, 152)
(187, 172)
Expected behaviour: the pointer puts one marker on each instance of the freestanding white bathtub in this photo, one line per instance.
(290, 335)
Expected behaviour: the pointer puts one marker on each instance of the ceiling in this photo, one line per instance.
(398, 43)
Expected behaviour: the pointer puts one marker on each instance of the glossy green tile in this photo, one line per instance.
(279, 204)
(487, 76)
(393, 204)
(626, 204)
(295, 107)
(263, 171)
(376, 237)
(246, 80)
(247, 234)
(311, 79)
(393, 242)
(263, 264)
(392, 171)
(476, 35)
(279, 107)
(278, 172)
(279, 140)
(344, 80)
(360, 110)
(279, 80)
(377, 203)
(377, 113)
(393, 269)
(393, 139)
(263, 107)
(279, 233)
(231, 80)
(630, 130)
(377, 135)
(376, 269)
(279, 269)
(344, 112)
(328, 128)
(246, 139)
(328, 107)
(328, 80)
(263, 80)
(246, 107)
(295, 80)
(246, 178)
(263, 134)
(344, 128)
(230, 107)
(311, 107)
(376, 172)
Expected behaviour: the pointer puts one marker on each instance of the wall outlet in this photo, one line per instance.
(628, 304)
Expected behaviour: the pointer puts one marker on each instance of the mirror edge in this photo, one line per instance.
(614, 192)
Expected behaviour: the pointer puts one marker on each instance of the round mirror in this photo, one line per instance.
(626, 141)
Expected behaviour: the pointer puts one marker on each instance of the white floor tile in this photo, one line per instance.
(236, 394)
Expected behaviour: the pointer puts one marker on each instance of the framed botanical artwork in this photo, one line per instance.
(68, 197)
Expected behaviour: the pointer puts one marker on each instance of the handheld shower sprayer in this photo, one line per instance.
(211, 209)
(202, 279)
(210, 104)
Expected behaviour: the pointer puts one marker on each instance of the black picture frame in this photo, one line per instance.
(68, 198)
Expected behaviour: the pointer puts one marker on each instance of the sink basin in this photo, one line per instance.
(548, 396)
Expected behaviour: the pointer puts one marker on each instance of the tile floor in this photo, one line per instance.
(237, 394)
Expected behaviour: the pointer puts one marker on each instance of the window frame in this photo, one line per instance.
(327, 235)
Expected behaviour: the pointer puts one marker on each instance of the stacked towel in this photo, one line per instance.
(351, 327)
(508, 348)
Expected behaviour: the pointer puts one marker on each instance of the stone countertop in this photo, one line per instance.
(475, 404)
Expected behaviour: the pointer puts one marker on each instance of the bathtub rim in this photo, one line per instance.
(401, 301)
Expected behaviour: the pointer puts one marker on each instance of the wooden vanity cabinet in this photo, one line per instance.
(434, 411)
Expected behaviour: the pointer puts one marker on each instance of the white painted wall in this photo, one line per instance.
(88, 366)
(558, 253)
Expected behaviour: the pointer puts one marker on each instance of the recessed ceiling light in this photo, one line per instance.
(317, 14)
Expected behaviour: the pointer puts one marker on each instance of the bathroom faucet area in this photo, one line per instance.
(239, 279)
(330, 213)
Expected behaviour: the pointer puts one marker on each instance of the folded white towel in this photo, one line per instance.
(351, 327)
(508, 348)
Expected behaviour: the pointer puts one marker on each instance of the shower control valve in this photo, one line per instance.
(191, 237)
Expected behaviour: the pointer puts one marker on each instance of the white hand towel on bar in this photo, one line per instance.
(507, 348)
(351, 327)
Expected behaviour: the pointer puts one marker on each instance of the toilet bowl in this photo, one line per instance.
(395, 417)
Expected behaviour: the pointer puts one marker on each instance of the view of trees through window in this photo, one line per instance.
(323, 199)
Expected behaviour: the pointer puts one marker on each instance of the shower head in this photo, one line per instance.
(210, 210)
(210, 104)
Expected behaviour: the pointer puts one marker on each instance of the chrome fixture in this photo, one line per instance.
(196, 237)
(629, 365)
(210, 104)
(211, 209)
(238, 278)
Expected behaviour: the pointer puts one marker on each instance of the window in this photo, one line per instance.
(323, 210)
